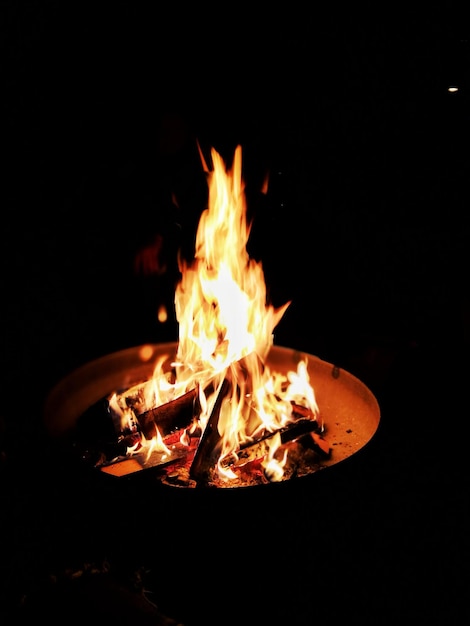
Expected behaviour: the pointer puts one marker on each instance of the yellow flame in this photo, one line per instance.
(224, 316)
(220, 300)
(226, 327)
(273, 467)
(157, 444)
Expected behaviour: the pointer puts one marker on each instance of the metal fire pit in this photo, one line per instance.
(244, 534)
(348, 408)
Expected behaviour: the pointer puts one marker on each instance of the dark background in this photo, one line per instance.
(364, 229)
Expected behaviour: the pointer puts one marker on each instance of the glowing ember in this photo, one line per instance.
(226, 330)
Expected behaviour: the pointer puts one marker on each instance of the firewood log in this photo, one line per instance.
(177, 413)
(257, 449)
(204, 458)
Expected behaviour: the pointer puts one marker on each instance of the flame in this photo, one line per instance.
(226, 326)
(221, 298)
(225, 319)
(273, 467)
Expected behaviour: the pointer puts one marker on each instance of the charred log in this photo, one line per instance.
(190, 457)
(259, 448)
(98, 443)
(177, 413)
(205, 458)
(238, 380)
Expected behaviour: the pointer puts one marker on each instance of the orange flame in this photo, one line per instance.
(221, 298)
(226, 330)
(224, 318)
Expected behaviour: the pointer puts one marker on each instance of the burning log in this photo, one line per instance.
(259, 448)
(204, 459)
(320, 445)
(239, 378)
(207, 453)
(100, 443)
(197, 458)
(315, 440)
(142, 461)
(101, 453)
(177, 413)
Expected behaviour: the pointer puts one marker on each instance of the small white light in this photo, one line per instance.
(452, 89)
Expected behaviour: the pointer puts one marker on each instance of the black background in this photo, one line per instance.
(364, 229)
